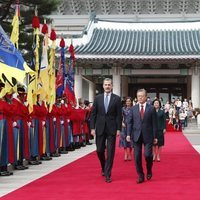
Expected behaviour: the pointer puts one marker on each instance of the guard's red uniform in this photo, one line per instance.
(40, 113)
(21, 113)
(7, 113)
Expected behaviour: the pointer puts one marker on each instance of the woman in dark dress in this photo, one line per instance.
(161, 119)
(122, 142)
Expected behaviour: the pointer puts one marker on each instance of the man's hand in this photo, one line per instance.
(29, 124)
(43, 123)
(118, 132)
(123, 125)
(128, 138)
(14, 124)
(155, 141)
(93, 132)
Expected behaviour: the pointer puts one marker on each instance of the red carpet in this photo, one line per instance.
(170, 127)
(176, 177)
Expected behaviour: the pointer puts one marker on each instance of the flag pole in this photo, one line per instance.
(33, 80)
(52, 73)
(44, 66)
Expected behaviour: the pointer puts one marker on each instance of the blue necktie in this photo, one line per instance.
(106, 103)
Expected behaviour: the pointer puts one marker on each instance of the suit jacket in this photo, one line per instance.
(146, 126)
(112, 119)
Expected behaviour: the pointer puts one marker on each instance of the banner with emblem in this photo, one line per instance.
(12, 63)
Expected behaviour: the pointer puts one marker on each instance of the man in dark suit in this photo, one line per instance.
(142, 128)
(105, 124)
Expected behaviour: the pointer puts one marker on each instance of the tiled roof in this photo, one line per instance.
(159, 43)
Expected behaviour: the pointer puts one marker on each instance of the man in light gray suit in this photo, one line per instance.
(142, 129)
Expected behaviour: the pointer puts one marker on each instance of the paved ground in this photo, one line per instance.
(192, 132)
(20, 178)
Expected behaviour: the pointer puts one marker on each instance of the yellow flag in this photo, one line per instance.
(7, 89)
(15, 31)
(43, 80)
(52, 78)
(37, 45)
(31, 93)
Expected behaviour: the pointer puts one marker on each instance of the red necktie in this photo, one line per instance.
(142, 112)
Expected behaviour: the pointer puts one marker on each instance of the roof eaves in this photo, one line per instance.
(140, 57)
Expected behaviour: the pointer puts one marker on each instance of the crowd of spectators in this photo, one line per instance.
(178, 113)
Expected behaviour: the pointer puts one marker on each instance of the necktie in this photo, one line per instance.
(142, 112)
(106, 103)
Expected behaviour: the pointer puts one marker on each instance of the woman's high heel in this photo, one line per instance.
(125, 157)
(129, 159)
(158, 158)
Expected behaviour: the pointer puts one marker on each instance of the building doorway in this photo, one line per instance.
(167, 92)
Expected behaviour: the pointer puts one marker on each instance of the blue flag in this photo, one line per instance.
(12, 63)
(60, 74)
(69, 77)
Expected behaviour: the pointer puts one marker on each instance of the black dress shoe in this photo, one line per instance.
(82, 144)
(33, 162)
(108, 179)
(19, 167)
(55, 154)
(45, 158)
(140, 180)
(63, 152)
(10, 173)
(24, 167)
(70, 148)
(6, 173)
(89, 143)
(77, 145)
(149, 176)
(39, 162)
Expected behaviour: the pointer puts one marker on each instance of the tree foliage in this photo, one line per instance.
(27, 11)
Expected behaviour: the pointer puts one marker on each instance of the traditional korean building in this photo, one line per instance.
(139, 44)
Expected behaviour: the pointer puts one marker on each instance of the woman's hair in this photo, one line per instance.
(86, 102)
(129, 98)
(157, 101)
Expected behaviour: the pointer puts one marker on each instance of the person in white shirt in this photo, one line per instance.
(185, 104)
(178, 105)
(182, 116)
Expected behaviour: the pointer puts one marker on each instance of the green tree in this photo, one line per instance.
(27, 11)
